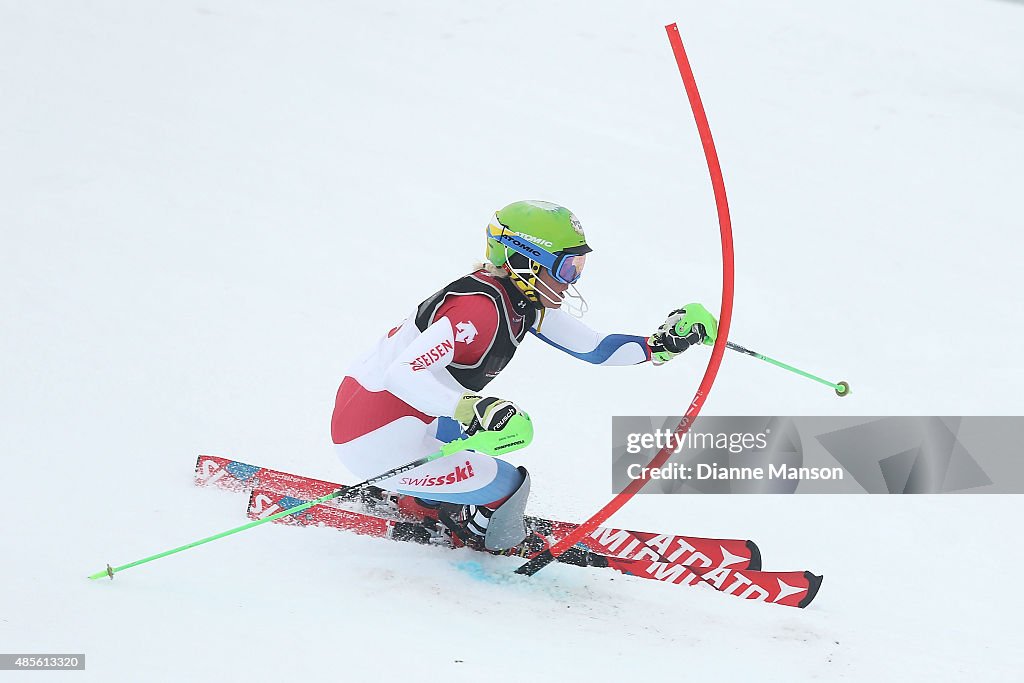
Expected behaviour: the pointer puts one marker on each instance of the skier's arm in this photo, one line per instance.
(570, 335)
(462, 330)
(418, 375)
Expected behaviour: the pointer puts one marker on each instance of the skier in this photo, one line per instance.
(420, 386)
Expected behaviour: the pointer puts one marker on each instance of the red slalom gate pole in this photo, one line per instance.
(718, 184)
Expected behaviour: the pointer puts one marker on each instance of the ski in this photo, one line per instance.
(794, 589)
(237, 476)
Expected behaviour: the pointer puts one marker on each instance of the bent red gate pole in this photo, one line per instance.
(725, 318)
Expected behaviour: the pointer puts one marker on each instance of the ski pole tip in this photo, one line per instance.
(98, 575)
(843, 389)
(109, 571)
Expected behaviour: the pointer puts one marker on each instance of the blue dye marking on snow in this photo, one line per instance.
(503, 576)
(241, 471)
(476, 571)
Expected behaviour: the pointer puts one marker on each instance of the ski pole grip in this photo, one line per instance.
(517, 433)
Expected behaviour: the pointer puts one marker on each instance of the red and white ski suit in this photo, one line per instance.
(396, 402)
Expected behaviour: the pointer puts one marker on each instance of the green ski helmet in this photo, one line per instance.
(528, 236)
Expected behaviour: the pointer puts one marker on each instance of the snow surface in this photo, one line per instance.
(209, 208)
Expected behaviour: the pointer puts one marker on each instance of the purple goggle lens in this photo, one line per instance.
(570, 267)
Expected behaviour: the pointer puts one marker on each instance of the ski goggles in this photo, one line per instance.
(564, 267)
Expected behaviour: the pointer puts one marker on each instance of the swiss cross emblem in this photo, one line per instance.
(465, 332)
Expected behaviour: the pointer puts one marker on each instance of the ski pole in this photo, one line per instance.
(517, 433)
(841, 388)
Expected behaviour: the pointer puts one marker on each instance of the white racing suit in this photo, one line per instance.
(396, 402)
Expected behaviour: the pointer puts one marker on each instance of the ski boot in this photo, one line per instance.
(496, 527)
(383, 503)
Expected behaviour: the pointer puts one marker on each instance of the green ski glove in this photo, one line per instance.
(484, 412)
(684, 327)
